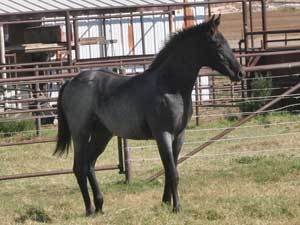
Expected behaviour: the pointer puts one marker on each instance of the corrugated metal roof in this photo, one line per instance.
(34, 6)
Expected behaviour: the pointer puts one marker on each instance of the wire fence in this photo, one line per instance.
(231, 96)
(280, 122)
(227, 155)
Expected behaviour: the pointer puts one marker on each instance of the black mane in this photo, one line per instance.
(173, 42)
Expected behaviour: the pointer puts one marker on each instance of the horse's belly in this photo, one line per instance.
(129, 130)
(126, 124)
(133, 134)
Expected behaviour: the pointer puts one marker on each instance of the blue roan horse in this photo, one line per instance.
(97, 105)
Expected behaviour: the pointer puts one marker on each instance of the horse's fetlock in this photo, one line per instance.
(177, 208)
(174, 180)
(99, 204)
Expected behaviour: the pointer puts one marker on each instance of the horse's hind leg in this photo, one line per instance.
(98, 142)
(80, 168)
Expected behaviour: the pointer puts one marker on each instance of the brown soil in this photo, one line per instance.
(232, 24)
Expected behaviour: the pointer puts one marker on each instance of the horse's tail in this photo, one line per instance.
(63, 135)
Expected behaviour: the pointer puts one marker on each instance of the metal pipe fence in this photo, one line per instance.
(227, 92)
(151, 147)
(221, 93)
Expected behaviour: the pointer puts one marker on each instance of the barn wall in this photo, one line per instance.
(125, 35)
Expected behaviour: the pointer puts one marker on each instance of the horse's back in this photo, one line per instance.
(104, 80)
(82, 92)
(96, 82)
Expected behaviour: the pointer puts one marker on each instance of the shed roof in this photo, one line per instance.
(8, 7)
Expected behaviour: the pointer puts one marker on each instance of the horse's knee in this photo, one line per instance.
(174, 178)
(80, 171)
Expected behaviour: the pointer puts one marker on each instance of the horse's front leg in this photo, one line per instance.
(176, 147)
(164, 143)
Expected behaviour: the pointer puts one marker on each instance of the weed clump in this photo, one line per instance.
(261, 90)
(8, 129)
(34, 214)
(248, 159)
(213, 215)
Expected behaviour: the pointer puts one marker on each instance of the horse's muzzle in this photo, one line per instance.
(240, 75)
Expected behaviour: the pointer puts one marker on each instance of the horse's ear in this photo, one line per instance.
(211, 26)
(218, 20)
(211, 20)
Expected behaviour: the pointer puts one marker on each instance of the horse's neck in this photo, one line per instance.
(180, 75)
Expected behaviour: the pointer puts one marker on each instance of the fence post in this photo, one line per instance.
(126, 147)
(127, 161)
(68, 37)
(38, 122)
(197, 100)
(3, 61)
(121, 158)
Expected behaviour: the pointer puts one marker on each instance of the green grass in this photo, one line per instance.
(230, 182)
(8, 129)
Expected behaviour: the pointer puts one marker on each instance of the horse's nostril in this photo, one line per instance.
(241, 74)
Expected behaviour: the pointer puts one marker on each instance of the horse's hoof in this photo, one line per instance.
(99, 211)
(177, 209)
(89, 212)
(166, 202)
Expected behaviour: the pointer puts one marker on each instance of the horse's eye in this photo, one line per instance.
(221, 56)
(219, 45)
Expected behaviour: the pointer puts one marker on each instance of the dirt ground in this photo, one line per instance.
(232, 24)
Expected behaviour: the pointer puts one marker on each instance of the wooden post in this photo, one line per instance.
(131, 37)
(209, 9)
(246, 39)
(251, 22)
(76, 39)
(171, 19)
(232, 93)
(212, 89)
(264, 24)
(245, 27)
(104, 34)
(38, 123)
(3, 61)
(143, 37)
(120, 153)
(127, 158)
(2, 48)
(68, 36)
(197, 100)
(189, 17)
(127, 162)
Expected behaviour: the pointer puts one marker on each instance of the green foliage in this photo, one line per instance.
(34, 214)
(8, 129)
(241, 188)
(260, 88)
(263, 119)
(134, 187)
(247, 159)
(213, 215)
(264, 169)
(264, 209)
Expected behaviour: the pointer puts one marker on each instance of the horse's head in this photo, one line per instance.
(219, 55)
